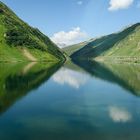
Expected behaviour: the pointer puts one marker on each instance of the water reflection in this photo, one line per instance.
(125, 75)
(118, 114)
(70, 77)
(17, 80)
(78, 101)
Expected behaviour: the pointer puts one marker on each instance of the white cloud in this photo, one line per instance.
(119, 114)
(70, 77)
(119, 4)
(63, 38)
(79, 2)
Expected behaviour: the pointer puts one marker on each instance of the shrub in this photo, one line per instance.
(1, 11)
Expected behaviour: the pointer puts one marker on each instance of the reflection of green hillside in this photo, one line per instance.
(128, 73)
(127, 76)
(72, 66)
(16, 80)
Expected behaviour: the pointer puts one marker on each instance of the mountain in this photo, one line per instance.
(123, 45)
(20, 42)
(74, 48)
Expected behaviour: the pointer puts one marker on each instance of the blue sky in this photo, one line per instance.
(71, 21)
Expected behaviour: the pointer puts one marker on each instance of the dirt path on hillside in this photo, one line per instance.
(28, 55)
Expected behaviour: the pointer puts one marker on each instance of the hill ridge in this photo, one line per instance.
(16, 34)
(122, 43)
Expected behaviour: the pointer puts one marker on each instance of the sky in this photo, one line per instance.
(68, 22)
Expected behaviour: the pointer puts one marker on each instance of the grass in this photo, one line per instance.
(124, 44)
(74, 48)
(15, 34)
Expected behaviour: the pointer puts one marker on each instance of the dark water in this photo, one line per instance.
(82, 101)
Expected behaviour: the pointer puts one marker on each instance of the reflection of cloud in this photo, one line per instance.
(72, 78)
(119, 114)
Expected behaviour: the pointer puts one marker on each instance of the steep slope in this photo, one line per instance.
(121, 45)
(16, 36)
(74, 48)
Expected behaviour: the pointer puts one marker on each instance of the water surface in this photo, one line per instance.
(80, 101)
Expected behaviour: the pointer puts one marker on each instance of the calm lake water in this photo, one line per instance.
(81, 101)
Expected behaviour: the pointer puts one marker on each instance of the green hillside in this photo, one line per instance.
(74, 48)
(20, 42)
(124, 45)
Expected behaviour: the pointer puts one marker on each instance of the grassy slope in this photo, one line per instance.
(123, 44)
(74, 48)
(39, 45)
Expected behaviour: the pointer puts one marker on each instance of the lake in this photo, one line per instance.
(77, 101)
